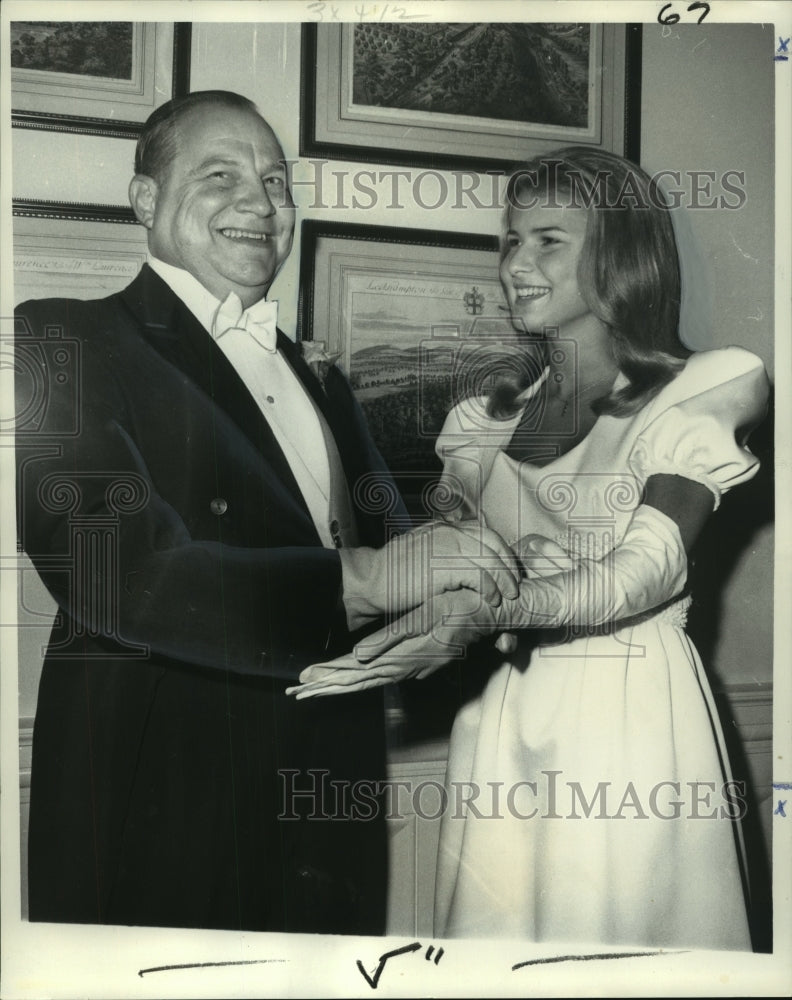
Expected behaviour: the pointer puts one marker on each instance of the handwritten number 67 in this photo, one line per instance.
(673, 18)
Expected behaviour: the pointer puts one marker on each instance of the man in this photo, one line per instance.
(187, 491)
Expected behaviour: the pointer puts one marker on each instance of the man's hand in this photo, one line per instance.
(429, 561)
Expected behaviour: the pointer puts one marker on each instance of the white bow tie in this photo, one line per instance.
(259, 320)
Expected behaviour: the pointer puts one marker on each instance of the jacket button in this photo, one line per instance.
(335, 534)
(218, 506)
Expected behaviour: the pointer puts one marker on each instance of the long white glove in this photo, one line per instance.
(646, 570)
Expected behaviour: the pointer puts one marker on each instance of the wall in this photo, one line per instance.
(705, 100)
(706, 95)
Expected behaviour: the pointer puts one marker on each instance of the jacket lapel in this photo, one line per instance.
(328, 406)
(172, 330)
(356, 448)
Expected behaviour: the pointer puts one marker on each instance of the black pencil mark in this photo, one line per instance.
(207, 965)
(374, 980)
(591, 958)
(703, 7)
(673, 18)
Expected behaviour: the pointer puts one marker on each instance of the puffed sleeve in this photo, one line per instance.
(699, 425)
(467, 446)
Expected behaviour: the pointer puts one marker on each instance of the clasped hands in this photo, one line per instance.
(442, 587)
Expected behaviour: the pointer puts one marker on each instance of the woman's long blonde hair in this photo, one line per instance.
(628, 270)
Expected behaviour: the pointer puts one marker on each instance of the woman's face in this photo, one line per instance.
(539, 272)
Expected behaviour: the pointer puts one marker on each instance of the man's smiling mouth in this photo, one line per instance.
(245, 234)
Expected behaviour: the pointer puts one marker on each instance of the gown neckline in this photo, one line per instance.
(526, 396)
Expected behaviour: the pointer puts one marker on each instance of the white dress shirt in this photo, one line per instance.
(298, 426)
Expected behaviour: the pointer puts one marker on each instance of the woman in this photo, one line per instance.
(589, 798)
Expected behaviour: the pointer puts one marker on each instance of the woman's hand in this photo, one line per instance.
(432, 635)
(415, 645)
(540, 556)
(647, 569)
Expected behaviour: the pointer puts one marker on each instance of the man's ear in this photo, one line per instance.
(143, 192)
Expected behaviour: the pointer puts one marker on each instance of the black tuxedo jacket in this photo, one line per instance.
(173, 782)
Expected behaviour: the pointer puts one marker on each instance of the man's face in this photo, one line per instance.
(222, 210)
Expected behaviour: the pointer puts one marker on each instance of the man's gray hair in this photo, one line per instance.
(157, 144)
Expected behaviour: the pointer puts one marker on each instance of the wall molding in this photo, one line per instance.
(751, 708)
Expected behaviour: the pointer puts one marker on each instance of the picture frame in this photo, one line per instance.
(336, 124)
(78, 102)
(74, 250)
(407, 314)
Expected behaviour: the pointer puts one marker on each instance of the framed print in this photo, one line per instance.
(404, 313)
(74, 251)
(95, 77)
(468, 94)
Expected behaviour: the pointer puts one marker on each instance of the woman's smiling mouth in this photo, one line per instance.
(530, 292)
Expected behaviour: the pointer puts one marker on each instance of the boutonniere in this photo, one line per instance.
(318, 360)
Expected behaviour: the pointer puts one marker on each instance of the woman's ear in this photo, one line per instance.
(143, 192)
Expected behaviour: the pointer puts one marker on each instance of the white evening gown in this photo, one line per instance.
(620, 726)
